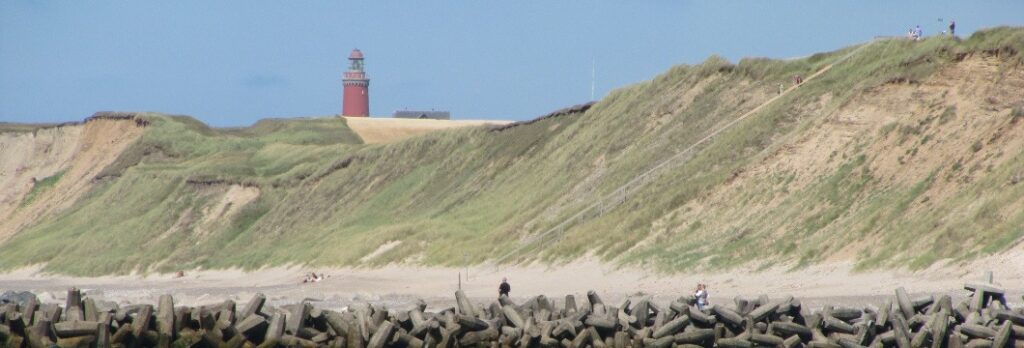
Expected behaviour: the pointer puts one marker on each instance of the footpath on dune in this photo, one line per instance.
(621, 193)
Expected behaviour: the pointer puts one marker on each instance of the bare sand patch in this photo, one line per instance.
(388, 130)
(383, 248)
(236, 197)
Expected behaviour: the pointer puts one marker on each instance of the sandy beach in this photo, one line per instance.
(401, 286)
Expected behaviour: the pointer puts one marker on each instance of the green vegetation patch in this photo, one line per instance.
(41, 186)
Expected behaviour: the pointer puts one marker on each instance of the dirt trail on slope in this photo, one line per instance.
(77, 152)
(389, 130)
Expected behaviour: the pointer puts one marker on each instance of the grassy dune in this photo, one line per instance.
(744, 198)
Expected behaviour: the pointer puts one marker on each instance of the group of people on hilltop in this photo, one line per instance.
(917, 34)
(700, 294)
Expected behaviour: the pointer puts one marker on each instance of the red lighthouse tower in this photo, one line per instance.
(356, 98)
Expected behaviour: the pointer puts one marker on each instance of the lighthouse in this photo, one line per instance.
(356, 97)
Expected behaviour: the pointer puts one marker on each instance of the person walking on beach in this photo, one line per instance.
(702, 296)
(952, 27)
(504, 288)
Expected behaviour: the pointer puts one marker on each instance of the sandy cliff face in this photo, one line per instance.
(71, 155)
(29, 156)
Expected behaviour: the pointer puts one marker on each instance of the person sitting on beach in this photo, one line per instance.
(312, 277)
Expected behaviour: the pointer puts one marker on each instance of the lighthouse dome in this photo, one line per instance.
(356, 54)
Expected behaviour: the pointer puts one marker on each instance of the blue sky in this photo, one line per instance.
(230, 63)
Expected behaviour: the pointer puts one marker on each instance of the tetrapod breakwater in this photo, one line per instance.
(984, 319)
